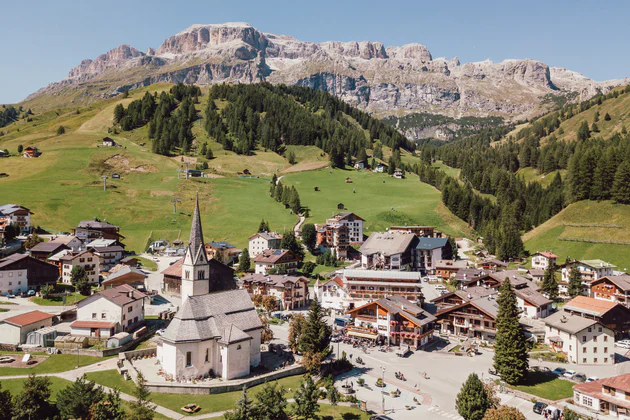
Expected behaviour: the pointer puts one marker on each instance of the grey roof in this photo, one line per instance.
(387, 243)
(48, 247)
(382, 274)
(267, 235)
(195, 245)
(516, 278)
(622, 282)
(7, 209)
(488, 305)
(100, 242)
(532, 296)
(400, 305)
(431, 243)
(209, 316)
(275, 279)
(567, 322)
(114, 248)
(124, 270)
(469, 273)
(94, 224)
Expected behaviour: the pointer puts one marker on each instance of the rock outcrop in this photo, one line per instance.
(378, 79)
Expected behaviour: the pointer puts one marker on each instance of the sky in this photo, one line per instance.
(48, 38)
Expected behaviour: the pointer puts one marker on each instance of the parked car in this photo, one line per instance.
(10, 296)
(492, 372)
(624, 344)
(569, 374)
(559, 371)
(579, 377)
(539, 407)
(335, 339)
(31, 293)
(592, 379)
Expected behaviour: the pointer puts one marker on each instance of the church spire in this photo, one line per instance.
(196, 234)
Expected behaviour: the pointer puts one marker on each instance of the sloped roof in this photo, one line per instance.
(118, 295)
(403, 307)
(532, 296)
(567, 322)
(387, 243)
(589, 305)
(92, 324)
(208, 316)
(431, 243)
(123, 271)
(12, 208)
(622, 282)
(266, 235)
(95, 224)
(275, 279)
(48, 247)
(28, 318)
(273, 255)
(597, 263)
(382, 274)
(547, 254)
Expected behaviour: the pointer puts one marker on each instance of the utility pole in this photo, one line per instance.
(382, 394)
(175, 201)
(186, 171)
(104, 178)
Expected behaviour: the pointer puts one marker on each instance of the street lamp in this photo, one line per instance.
(382, 393)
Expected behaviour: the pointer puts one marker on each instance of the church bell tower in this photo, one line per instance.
(196, 268)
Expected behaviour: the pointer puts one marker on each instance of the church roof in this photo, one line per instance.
(195, 245)
(212, 315)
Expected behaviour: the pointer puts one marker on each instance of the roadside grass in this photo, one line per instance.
(53, 364)
(372, 196)
(209, 403)
(58, 301)
(146, 263)
(546, 386)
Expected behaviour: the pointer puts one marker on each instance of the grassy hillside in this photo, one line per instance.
(586, 230)
(64, 185)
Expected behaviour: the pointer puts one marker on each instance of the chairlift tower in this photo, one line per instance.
(104, 178)
(175, 201)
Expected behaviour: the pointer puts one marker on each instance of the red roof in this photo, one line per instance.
(547, 254)
(175, 269)
(92, 324)
(28, 318)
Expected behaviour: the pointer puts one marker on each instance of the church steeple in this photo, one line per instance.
(195, 269)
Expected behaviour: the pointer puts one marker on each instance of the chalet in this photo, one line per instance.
(88, 230)
(14, 330)
(380, 167)
(394, 320)
(194, 173)
(262, 241)
(612, 289)
(474, 318)
(360, 164)
(332, 294)
(493, 264)
(130, 261)
(468, 274)
(4, 153)
(429, 251)
(88, 260)
(72, 242)
(43, 250)
(109, 255)
(398, 174)
(31, 152)
(222, 251)
(611, 314)
(544, 260)
(583, 340)
(124, 274)
(448, 268)
(589, 269)
(388, 251)
(333, 236)
(364, 285)
(36, 273)
(222, 277)
(608, 397)
(107, 142)
(275, 259)
(291, 292)
(536, 274)
(352, 222)
(419, 231)
(110, 311)
(17, 215)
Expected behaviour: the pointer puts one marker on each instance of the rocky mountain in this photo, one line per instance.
(384, 81)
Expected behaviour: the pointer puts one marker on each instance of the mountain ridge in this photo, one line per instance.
(378, 79)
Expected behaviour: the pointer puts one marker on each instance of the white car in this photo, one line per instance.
(592, 379)
(569, 374)
(624, 344)
(160, 332)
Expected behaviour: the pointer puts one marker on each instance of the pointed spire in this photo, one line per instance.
(196, 234)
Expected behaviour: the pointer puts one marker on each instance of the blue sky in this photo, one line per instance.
(45, 39)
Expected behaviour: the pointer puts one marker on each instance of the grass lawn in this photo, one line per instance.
(146, 263)
(581, 231)
(328, 412)
(58, 301)
(55, 363)
(546, 386)
(208, 403)
(373, 198)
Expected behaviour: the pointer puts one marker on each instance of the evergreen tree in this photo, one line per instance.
(244, 410)
(594, 128)
(511, 360)
(271, 403)
(332, 394)
(583, 132)
(6, 404)
(607, 117)
(141, 408)
(290, 242)
(621, 185)
(208, 154)
(110, 408)
(61, 130)
(76, 400)
(204, 149)
(119, 113)
(550, 284)
(291, 158)
(297, 325)
(472, 401)
(32, 402)
(20, 148)
(244, 262)
(575, 287)
(315, 339)
(263, 226)
(305, 397)
(596, 118)
(294, 201)
(309, 236)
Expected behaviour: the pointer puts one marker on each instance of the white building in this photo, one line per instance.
(351, 221)
(18, 215)
(608, 396)
(89, 261)
(589, 269)
(544, 260)
(108, 312)
(275, 259)
(583, 340)
(72, 242)
(12, 280)
(213, 332)
(262, 241)
(332, 294)
(15, 329)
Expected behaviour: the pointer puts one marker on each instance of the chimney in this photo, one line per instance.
(130, 294)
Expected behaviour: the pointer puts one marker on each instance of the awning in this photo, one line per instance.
(362, 334)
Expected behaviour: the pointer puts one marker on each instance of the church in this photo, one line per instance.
(216, 330)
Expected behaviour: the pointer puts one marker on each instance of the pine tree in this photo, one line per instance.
(20, 148)
(472, 401)
(294, 201)
(315, 339)
(511, 360)
(607, 117)
(244, 410)
(110, 408)
(32, 402)
(594, 128)
(271, 403)
(309, 236)
(621, 185)
(61, 130)
(76, 400)
(141, 408)
(575, 287)
(305, 397)
(583, 132)
(290, 242)
(263, 226)
(550, 284)
(6, 404)
(244, 263)
(297, 325)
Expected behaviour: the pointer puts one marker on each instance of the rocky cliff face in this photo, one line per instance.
(378, 79)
